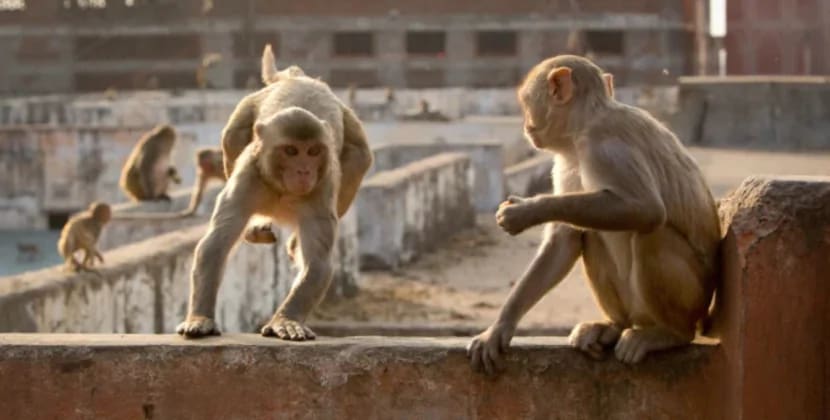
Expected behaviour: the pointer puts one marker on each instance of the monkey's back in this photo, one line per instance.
(309, 94)
(130, 181)
(690, 206)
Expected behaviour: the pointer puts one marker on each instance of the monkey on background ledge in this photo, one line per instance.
(81, 233)
(629, 199)
(147, 172)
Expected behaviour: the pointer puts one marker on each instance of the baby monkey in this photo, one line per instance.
(81, 232)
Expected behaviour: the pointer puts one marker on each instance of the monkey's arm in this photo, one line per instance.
(628, 198)
(355, 160)
(239, 130)
(196, 197)
(554, 259)
(600, 210)
(233, 209)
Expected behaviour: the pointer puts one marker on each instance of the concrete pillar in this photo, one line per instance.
(390, 48)
(774, 317)
(461, 49)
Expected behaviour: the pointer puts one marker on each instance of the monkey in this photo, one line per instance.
(629, 199)
(81, 232)
(147, 172)
(355, 156)
(295, 154)
(208, 166)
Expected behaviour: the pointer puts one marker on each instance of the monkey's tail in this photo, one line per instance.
(270, 74)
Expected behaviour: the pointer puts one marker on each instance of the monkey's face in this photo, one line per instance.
(546, 112)
(299, 164)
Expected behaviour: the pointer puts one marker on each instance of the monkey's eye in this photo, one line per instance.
(315, 151)
(291, 151)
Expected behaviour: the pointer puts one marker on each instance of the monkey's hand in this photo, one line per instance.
(287, 329)
(197, 326)
(486, 349)
(515, 215)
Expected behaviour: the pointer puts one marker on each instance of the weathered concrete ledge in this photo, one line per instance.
(120, 232)
(486, 157)
(530, 177)
(762, 112)
(144, 287)
(251, 377)
(401, 212)
(438, 329)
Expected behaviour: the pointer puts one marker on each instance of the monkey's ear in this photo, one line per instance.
(560, 85)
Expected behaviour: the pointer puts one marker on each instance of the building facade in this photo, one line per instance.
(49, 46)
(778, 37)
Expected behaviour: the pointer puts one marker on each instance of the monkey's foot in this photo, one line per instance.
(197, 326)
(287, 329)
(634, 344)
(260, 234)
(592, 337)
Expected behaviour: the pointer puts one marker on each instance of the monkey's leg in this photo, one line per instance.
(239, 130)
(593, 336)
(670, 282)
(355, 160)
(88, 260)
(554, 259)
(316, 239)
(229, 218)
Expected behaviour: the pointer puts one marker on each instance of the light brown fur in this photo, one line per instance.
(629, 200)
(208, 166)
(147, 172)
(81, 232)
(307, 189)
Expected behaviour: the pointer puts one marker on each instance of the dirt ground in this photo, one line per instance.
(465, 280)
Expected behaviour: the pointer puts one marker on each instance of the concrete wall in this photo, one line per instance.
(530, 177)
(777, 113)
(143, 287)
(404, 210)
(773, 318)
(119, 232)
(45, 169)
(373, 378)
(486, 158)
(774, 307)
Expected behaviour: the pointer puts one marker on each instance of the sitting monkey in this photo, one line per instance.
(629, 200)
(295, 154)
(147, 172)
(81, 232)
